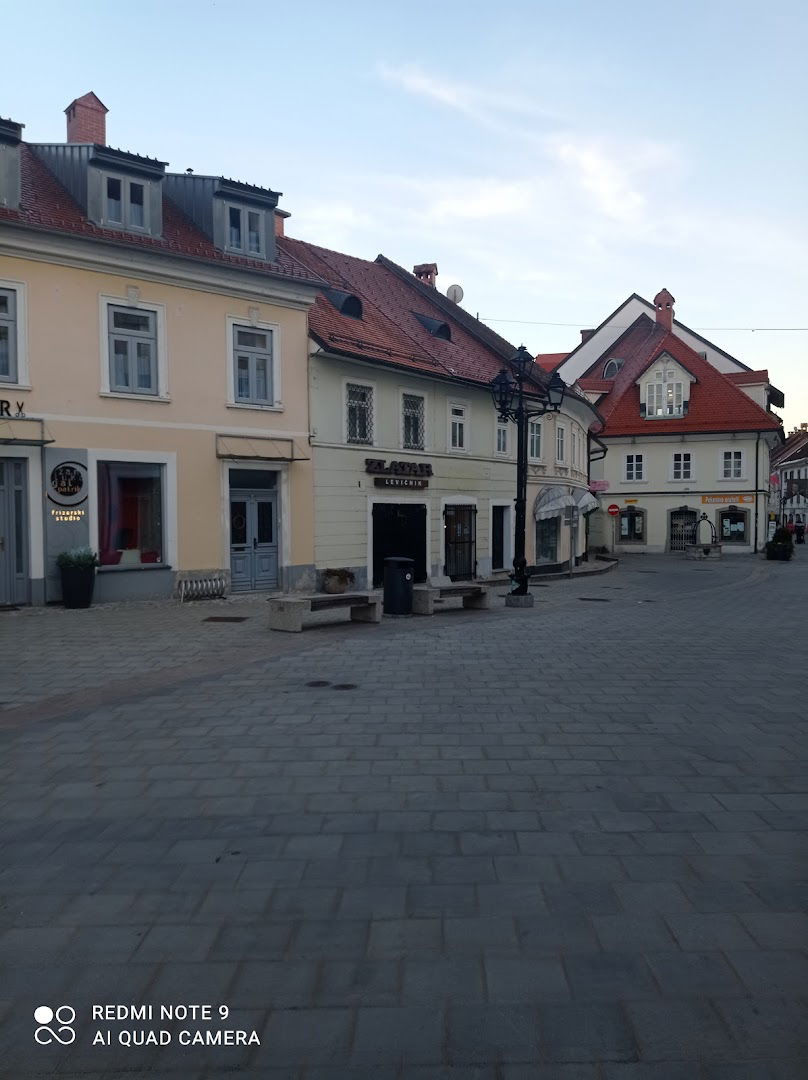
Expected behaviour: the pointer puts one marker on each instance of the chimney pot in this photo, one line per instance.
(426, 272)
(86, 120)
(663, 302)
(586, 335)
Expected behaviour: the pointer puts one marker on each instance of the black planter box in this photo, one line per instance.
(78, 583)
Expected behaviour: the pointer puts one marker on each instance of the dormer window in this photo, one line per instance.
(245, 231)
(612, 367)
(665, 390)
(664, 399)
(345, 303)
(125, 203)
(435, 327)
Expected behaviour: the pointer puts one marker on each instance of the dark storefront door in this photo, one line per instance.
(682, 525)
(498, 519)
(399, 529)
(460, 530)
(253, 541)
(13, 534)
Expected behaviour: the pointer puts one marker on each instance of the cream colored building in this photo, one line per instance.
(153, 373)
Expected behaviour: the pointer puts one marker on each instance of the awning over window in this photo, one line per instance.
(586, 501)
(258, 448)
(552, 501)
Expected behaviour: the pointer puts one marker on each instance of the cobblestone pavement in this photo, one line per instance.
(558, 844)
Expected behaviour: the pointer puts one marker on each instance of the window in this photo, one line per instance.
(252, 356)
(435, 327)
(132, 350)
(412, 419)
(611, 368)
(632, 525)
(682, 467)
(130, 513)
(502, 438)
(573, 448)
(125, 203)
(559, 443)
(359, 403)
(664, 398)
(732, 526)
(534, 440)
(732, 464)
(245, 230)
(8, 335)
(457, 427)
(634, 467)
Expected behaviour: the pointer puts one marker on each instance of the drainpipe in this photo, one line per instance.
(757, 485)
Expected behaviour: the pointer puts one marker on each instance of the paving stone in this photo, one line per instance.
(767, 1027)
(394, 1036)
(515, 977)
(771, 972)
(358, 982)
(693, 974)
(431, 900)
(586, 1032)
(644, 932)
(705, 932)
(672, 1030)
(289, 1034)
(488, 1034)
(609, 976)
(440, 979)
(778, 930)
(395, 937)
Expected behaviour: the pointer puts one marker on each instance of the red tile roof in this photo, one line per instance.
(549, 361)
(748, 378)
(716, 403)
(795, 448)
(389, 331)
(46, 205)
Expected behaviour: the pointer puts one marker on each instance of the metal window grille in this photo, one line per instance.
(360, 413)
(413, 417)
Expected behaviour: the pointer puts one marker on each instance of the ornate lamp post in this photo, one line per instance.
(511, 403)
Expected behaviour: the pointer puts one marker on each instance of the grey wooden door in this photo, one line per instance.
(14, 582)
(253, 540)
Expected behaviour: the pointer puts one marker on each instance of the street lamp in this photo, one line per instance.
(511, 403)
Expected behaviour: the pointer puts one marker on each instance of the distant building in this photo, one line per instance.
(789, 466)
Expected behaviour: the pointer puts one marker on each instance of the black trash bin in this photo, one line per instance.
(398, 580)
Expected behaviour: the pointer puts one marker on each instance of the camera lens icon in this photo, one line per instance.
(64, 1016)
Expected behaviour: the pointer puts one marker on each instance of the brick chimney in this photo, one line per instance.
(586, 335)
(280, 218)
(86, 120)
(663, 302)
(426, 272)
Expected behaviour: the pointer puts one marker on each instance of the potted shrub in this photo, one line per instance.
(337, 581)
(781, 545)
(77, 568)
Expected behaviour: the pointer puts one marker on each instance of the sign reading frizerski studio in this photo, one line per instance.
(398, 474)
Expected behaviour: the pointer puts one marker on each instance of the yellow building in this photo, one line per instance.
(153, 373)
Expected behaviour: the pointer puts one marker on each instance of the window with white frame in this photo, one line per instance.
(412, 421)
(132, 350)
(457, 427)
(682, 466)
(560, 448)
(634, 467)
(502, 438)
(126, 203)
(359, 413)
(665, 395)
(252, 359)
(8, 335)
(245, 230)
(534, 440)
(732, 464)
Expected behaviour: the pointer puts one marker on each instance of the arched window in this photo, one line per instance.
(435, 327)
(345, 303)
(632, 525)
(611, 368)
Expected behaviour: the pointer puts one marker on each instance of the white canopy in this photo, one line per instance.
(552, 501)
(586, 501)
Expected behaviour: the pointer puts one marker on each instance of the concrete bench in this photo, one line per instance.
(287, 612)
(424, 596)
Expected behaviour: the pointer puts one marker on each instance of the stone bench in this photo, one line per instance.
(424, 596)
(703, 551)
(287, 612)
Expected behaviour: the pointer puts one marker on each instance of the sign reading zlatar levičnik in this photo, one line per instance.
(399, 474)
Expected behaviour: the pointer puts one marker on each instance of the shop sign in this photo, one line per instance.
(5, 409)
(732, 500)
(400, 482)
(628, 502)
(378, 467)
(599, 485)
(67, 488)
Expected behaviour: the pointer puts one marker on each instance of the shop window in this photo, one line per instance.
(412, 421)
(359, 405)
(130, 513)
(632, 526)
(732, 526)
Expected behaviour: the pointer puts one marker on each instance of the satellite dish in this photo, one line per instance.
(455, 293)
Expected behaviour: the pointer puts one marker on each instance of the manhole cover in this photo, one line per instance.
(226, 618)
(647, 571)
(318, 682)
(597, 599)
(345, 686)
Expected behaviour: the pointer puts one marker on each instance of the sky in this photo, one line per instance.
(551, 158)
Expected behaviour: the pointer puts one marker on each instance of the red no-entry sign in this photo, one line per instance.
(614, 509)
